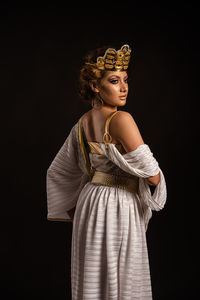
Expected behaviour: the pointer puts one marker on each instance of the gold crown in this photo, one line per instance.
(114, 60)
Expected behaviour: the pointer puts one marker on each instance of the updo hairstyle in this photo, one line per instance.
(90, 73)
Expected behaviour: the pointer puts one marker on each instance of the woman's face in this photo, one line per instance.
(113, 88)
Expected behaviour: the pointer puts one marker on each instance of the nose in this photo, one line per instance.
(123, 88)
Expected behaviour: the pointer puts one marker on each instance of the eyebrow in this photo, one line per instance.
(117, 76)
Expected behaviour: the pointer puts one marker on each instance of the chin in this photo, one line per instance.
(122, 103)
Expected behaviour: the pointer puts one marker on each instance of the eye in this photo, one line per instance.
(126, 80)
(114, 81)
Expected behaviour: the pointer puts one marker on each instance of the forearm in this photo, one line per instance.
(153, 180)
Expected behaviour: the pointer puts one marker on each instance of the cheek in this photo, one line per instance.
(111, 90)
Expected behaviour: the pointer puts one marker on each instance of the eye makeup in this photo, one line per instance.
(115, 80)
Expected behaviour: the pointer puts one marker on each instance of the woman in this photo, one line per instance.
(100, 180)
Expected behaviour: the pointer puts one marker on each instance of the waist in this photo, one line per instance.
(119, 181)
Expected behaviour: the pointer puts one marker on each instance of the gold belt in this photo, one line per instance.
(121, 182)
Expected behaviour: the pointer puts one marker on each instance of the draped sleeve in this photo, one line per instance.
(65, 178)
(141, 163)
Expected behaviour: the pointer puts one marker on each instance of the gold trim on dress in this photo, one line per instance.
(59, 219)
(83, 150)
(107, 137)
(122, 182)
(96, 148)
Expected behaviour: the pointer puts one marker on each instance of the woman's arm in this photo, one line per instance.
(154, 180)
(125, 130)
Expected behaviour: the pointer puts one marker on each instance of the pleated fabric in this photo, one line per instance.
(109, 257)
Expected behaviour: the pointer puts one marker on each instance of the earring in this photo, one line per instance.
(92, 103)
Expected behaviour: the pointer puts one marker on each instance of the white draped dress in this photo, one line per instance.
(109, 257)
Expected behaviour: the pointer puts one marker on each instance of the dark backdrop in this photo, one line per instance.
(41, 51)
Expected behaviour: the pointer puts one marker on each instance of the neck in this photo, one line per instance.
(106, 108)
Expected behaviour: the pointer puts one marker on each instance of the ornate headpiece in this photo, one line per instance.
(114, 60)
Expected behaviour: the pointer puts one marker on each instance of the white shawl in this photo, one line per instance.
(67, 175)
(141, 163)
(65, 178)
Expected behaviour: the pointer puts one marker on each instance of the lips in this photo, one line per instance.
(123, 97)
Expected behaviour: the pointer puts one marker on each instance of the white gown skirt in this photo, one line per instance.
(109, 258)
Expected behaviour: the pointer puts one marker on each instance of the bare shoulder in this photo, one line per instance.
(125, 130)
(86, 114)
(85, 117)
(123, 119)
(123, 114)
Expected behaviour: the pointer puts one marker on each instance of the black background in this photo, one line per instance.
(42, 46)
